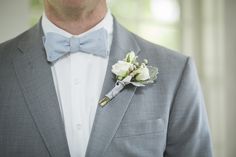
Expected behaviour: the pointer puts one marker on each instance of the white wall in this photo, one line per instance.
(14, 18)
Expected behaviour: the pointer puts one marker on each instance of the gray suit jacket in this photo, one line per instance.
(165, 119)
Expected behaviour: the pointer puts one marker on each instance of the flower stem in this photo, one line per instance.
(115, 91)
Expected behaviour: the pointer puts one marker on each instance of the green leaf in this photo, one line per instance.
(153, 72)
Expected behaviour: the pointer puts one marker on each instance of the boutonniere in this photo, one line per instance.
(130, 71)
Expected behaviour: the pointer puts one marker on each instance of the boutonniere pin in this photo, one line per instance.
(130, 71)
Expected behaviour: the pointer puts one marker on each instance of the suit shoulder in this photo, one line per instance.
(5, 49)
(10, 46)
(161, 54)
(13, 41)
(170, 63)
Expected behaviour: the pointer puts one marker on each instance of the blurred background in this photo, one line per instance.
(202, 29)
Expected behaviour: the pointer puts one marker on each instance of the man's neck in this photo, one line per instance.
(76, 23)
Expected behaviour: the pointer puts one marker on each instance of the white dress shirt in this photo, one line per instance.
(78, 80)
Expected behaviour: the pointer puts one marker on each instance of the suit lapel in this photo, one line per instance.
(35, 78)
(108, 118)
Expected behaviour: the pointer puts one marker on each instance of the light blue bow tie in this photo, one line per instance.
(57, 46)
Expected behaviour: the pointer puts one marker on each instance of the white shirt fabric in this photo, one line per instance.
(78, 80)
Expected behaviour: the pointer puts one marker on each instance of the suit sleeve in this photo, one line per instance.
(188, 132)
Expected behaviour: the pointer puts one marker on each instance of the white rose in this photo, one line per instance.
(122, 68)
(130, 57)
(142, 74)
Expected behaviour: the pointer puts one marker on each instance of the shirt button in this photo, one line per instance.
(76, 81)
(78, 126)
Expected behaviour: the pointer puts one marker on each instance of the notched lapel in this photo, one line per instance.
(36, 81)
(35, 77)
(108, 118)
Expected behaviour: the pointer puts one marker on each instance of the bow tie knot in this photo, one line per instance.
(57, 46)
(74, 44)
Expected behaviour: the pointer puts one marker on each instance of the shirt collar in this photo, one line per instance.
(106, 23)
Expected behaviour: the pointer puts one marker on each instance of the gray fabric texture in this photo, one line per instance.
(164, 119)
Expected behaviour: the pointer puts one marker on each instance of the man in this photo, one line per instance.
(49, 101)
